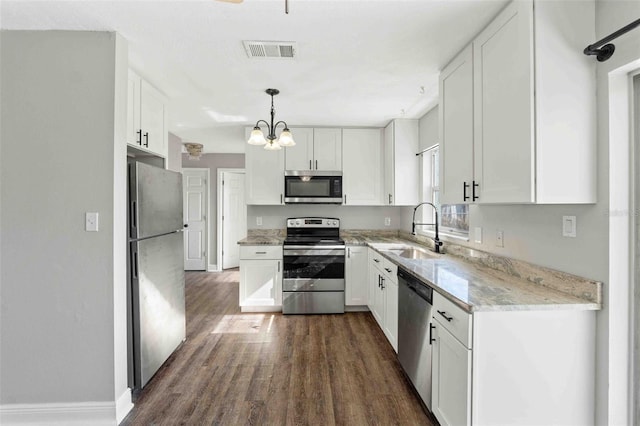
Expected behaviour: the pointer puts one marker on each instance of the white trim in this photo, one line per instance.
(78, 413)
(208, 209)
(212, 268)
(123, 405)
(256, 309)
(634, 291)
(222, 170)
(620, 286)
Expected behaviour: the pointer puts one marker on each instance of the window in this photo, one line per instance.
(454, 218)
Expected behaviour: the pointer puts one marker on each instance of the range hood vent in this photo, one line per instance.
(270, 49)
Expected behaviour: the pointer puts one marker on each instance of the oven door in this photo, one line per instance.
(313, 269)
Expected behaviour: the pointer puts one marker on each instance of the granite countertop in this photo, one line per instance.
(267, 237)
(473, 280)
(476, 288)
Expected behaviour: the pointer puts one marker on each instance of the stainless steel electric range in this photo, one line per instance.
(313, 275)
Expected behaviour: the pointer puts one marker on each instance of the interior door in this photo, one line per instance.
(195, 216)
(234, 217)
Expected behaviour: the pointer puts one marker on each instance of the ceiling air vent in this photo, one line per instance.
(270, 49)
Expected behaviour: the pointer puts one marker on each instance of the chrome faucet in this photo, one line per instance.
(436, 240)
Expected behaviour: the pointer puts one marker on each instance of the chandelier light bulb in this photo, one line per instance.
(286, 139)
(257, 137)
(272, 145)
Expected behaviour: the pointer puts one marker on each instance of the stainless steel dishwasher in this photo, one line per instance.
(415, 300)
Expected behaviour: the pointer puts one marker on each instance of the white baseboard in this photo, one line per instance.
(79, 413)
(212, 268)
(256, 309)
(123, 405)
(356, 308)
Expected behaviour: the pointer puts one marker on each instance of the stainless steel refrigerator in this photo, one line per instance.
(156, 269)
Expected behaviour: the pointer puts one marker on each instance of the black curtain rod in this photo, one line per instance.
(605, 52)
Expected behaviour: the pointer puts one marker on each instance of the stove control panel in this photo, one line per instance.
(313, 222)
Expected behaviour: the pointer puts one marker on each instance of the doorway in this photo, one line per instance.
(232, 216)
(195, 186)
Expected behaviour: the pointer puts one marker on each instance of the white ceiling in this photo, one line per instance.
(359, 63)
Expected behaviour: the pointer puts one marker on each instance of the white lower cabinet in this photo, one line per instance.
(390, 290)
(451, 380)
(260, 278)
(356, 276)
(512, 367)
(383, 295)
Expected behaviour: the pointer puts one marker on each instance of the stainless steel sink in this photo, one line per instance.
(412, 253)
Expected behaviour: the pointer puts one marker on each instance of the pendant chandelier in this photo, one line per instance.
(194, 150)
(272, 142)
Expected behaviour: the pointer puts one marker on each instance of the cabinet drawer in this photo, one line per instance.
(260, 252)
(454, 319)
(375, 258)
(390, 270)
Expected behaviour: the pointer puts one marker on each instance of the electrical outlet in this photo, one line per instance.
(259, 220)
(478, 235)
(91, 221)
(500, 238)
(387, 221)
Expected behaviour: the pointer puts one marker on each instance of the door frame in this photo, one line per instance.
(207, 220)
(219, 212)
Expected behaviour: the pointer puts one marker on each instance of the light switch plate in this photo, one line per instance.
(91, 221)
(569, 226)
(500, 238)
(259, 220)
(387, 221)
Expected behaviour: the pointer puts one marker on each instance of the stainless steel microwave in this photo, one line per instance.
(312, 187)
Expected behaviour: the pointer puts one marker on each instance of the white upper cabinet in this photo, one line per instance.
(265, 174)
(362, 169)
(456, 130)
(401, 172)
(146, 117)
(300, 156)
(315, 149)
(327, 149)
(533, 109)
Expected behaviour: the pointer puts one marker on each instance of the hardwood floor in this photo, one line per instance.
(274, 369)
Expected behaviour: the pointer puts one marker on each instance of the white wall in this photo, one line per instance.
(61, 287)
(174, 153)
(428, 129)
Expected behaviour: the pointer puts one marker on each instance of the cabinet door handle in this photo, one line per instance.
(387, 269)
(431, 339)
(316, 164)
(382, 282)
(278, 266)
(473, 192)
(349, 252)
(443, 313)
(465, 185)
(389, 199)
(345, 198)
(261, 252)
(146, 139)
(139, 141)
(376, 260)
(379, 281)
(280, 198)
(310, 168)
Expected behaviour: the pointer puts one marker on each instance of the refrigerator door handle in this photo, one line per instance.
(134, 263)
